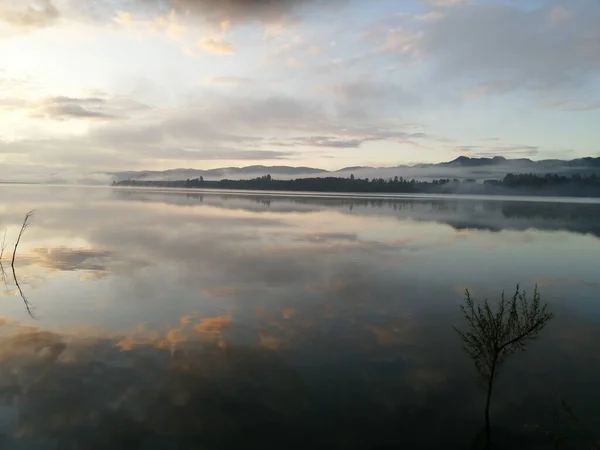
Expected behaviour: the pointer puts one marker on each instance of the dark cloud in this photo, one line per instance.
(246, 10)
(29, 14)
(62, 107)
(80, 100)
(73, 111)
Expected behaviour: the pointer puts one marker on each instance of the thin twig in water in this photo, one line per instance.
(3, 244)
(27, 305)
(12, 264)
(2, 248)
(23, 228)
(3, 273)
(582, 425)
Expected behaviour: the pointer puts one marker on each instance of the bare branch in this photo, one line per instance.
(12, 264)
(25, 301)
(582, 425)
(3, 244)
(3, 274)
(23, 228)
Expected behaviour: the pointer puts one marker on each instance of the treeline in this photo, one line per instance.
(552, 184)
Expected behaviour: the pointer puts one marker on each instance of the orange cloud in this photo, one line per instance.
(214, 324)
(186, 320)
(288, 313)
(269, 342)
(168, 24)
(127, 344)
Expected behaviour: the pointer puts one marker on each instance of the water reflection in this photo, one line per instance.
(192, 388)
(3, 245)
(200, 320)
(492, 214)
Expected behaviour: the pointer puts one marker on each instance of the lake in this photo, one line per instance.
(211, 320)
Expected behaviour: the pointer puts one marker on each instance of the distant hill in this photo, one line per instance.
(461, 168)
(213, 174)
(464, 161)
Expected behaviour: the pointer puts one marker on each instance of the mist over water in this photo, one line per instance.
(224, 320)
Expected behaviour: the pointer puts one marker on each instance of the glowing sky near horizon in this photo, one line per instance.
(108, 85)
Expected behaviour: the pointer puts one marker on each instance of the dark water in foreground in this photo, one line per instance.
(215, 321)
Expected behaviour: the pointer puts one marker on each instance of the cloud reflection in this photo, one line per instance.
(85, 389)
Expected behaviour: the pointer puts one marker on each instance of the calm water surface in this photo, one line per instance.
(170, 320)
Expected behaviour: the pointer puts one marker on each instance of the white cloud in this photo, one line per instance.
(230, 81)
(216, 46)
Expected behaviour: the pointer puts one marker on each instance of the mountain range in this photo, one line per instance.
(461, 167)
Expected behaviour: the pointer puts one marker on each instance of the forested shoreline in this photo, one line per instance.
(519, 184)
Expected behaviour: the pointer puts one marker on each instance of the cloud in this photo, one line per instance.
(558, 15)
(444, 3)
(232, 81)
(65, 108)
(372, 91)
(565, 105)
(163, 15)
(349, 139)
(365, 98)
(72, 111)
(223, 124)
(328, 141)
(393, 34)
(214, 324)
(11, 103)
(236, 11)
(28, 13)
(216, 46)
(170, 24)
(510, 151)
(484, 90)
(70, 259)
(63, 154)
(529, 150)
(216, 118)
(513, 47)
(220, 291)
(220, 154)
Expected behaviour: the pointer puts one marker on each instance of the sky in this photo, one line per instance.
(92, 86)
